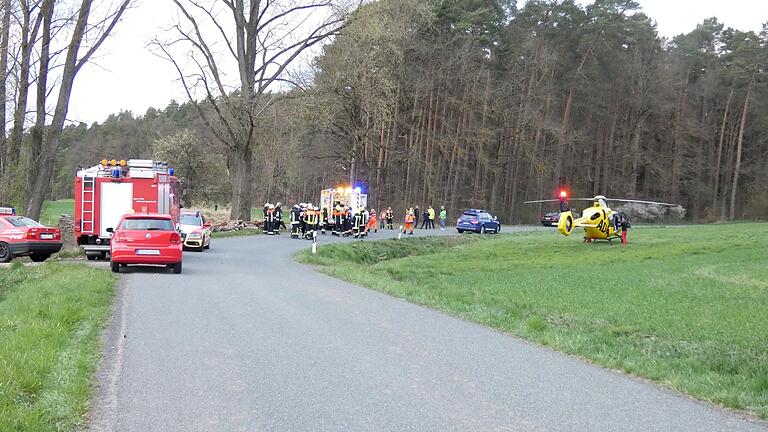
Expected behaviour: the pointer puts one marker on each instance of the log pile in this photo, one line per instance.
(237, 225)
(67, 227)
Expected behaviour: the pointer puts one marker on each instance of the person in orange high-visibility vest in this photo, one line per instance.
(409, 219)
(372, 223)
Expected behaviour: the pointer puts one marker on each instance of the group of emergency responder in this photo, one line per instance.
(308, 220)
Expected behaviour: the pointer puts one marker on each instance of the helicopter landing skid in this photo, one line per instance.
(609, 239)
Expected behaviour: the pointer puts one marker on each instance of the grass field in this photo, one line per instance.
(686, 307)
(238, 233)
(52, 210)
(51, 318)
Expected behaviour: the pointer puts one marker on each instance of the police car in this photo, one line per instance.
(195, 231)
(21, 236)
(479, 221)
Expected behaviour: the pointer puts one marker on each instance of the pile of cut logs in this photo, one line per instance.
(67, 227)
(237, 225)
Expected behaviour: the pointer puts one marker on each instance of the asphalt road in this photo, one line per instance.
(247, 340)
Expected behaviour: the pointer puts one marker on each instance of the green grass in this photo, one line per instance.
(238, 233)
(52, 211)
(686, 307)
(51, 317)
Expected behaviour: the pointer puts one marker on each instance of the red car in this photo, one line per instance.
(146, 238)
(21, 236)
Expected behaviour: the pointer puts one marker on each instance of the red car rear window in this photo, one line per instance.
(147, 224)
(21, 221)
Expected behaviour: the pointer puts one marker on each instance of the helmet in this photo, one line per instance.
(278, 204)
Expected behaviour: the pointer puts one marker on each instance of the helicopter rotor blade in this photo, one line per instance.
(641, 202)
(557, 200)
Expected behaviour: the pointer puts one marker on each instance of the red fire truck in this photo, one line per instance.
(105, 192)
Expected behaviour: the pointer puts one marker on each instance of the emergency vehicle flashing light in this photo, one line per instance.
(7, 211)
(563, 194)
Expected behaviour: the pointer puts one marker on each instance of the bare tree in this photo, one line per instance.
(5, 25)
(73, 63)
(269, 36)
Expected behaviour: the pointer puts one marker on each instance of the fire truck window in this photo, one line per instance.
(21, 221)
(147, 224)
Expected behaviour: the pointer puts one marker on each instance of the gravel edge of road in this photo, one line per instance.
(104, 397)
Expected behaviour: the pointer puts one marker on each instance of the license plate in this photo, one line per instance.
(46, 236)
(147, 252)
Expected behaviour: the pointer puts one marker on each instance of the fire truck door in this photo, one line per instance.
(116, 200)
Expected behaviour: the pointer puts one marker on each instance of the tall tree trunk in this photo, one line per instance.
(28, 36)
(678, 143)
(36, 134)
(718, 159)
(72, 65)
(5, 25)
(739, 143)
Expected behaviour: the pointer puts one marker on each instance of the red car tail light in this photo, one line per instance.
(32, 233)
(474, 221)
(118, 237)
(175, 238)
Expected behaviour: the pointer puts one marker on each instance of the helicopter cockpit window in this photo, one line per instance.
(595, 216)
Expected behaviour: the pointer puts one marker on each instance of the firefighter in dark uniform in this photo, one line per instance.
(271, 221)
(296, 221)
(347, 221)
(357, 222)
(265, 227)
(303, 218)
(278, 218)
(390, 217)
(338, 222)
(324, 219)
(311, 222)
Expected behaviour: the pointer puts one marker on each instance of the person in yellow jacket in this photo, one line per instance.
(431, 213)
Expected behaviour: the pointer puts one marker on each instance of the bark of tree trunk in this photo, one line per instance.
(28, 37)
(737, 166)
(36, 134)
(5, 25)
(43, 181)
(718, 158)
(678, 143)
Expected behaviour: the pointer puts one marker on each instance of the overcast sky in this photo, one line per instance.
(128, 76)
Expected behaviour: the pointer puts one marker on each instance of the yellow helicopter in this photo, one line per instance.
(599, 221)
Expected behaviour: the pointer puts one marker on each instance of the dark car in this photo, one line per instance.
(22, 236)
(550, 219)
(479, 221)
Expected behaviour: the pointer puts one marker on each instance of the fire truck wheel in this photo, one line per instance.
(91, 256)
(5, 253)
(39, 257)
(115, 267)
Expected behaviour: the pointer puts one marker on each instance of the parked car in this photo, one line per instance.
(146, 238)
(22, 236)
(479, 221)
(550, 219)
(195, 231)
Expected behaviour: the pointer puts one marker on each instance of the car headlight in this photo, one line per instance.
(195, 235)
